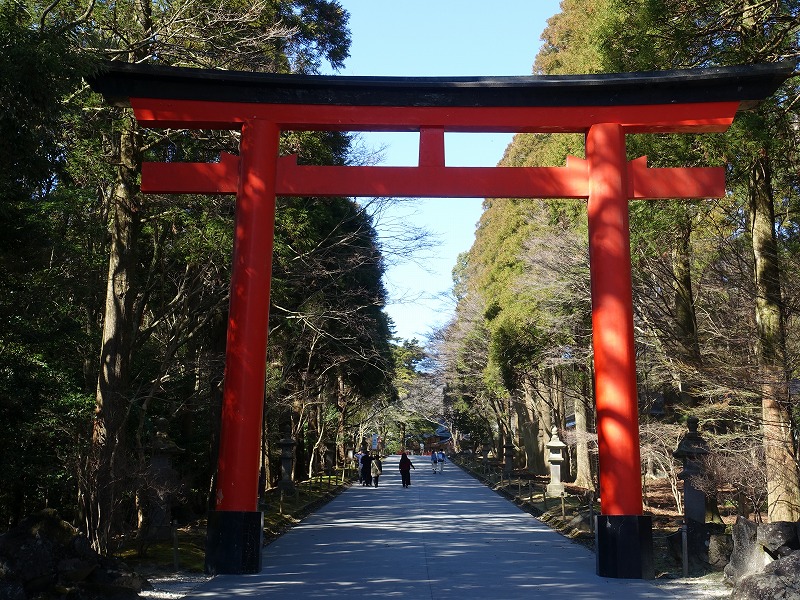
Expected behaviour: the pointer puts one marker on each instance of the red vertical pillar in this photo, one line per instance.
(248, 316)
(622, 531)
(235, 528)
(612, 322)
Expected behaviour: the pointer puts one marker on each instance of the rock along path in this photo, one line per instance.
(447, 537)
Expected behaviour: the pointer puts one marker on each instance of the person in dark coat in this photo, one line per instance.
(405, 469)
(366, 470)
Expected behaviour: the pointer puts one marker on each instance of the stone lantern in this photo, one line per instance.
(690, 451)
(508, 458)
(328, 457)
(163, 483)
(286, 483)
(555, 458)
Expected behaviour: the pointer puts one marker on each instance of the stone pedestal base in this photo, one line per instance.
(233, 542)
(624, 546)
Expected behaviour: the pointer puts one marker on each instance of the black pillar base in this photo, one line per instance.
(624, 546)
(233, 542)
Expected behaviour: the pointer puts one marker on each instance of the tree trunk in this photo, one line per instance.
(499, 450)
(529, 429)
(545, 427)
(341, 421)
(215, 391)
(518, 417)
(583, 466)
(558, 417)
(685, 316)
(783, 487)
(106, 479)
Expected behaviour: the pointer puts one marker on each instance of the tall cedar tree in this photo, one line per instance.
(265, 35)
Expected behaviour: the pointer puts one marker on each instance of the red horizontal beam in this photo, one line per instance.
(570, 181)
(192, 178)
(444, 182)
(434, 181)
(681, 182)
(196, 114)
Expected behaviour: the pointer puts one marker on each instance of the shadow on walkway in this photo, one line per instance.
(446, 537)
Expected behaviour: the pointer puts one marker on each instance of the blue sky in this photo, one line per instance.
(439, 38)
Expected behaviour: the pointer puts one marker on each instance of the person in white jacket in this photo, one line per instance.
(376, 469)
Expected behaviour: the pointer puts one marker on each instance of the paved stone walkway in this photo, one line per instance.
(447, 537)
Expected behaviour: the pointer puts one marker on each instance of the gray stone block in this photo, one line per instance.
(720, 548)
(778, 538)
(748, 556)
(779, 580)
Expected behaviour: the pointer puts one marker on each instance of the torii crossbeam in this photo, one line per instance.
(604, 107)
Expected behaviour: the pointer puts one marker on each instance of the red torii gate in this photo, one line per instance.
(604, 107)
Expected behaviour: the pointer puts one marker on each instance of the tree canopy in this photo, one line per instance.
(713, 279)
(91, 267)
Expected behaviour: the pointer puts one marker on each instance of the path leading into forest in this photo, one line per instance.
(447, 537)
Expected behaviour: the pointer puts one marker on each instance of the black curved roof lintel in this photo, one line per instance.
(747, 84)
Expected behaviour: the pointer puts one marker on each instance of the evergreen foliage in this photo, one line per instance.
(713, 279)
(69, 201)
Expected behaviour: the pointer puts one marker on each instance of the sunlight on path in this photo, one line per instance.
(445, 537)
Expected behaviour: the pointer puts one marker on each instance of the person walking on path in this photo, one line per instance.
(366, 469)
(440, 458)
(359, 455)
(434, 460)
(405, 469)
(377, 469)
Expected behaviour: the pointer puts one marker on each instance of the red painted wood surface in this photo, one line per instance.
(616, 395)
(248, 316)
(571, 181)
(650, 118)
(606, 178)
